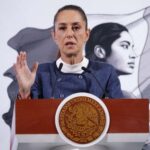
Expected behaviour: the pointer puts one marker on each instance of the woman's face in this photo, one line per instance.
(122, 55)
(70, 33)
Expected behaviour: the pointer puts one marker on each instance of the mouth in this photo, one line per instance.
(70, 43)
(131, 65)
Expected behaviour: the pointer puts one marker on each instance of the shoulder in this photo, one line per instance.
(45, 67)
(97, 65)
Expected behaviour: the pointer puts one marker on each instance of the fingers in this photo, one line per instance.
(35, 67)
(21, 59)
(21, 63)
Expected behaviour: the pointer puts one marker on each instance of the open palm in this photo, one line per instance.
(25, 76)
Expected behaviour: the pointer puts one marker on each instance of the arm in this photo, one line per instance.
(36, 88)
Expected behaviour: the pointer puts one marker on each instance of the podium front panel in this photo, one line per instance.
(38, 116)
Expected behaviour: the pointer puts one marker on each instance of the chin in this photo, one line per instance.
(125, 72)
(72, 53)
(130, 71)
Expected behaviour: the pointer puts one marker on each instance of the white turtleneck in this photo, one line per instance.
(76, 68)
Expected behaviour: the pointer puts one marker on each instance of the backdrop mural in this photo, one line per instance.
(135, 71)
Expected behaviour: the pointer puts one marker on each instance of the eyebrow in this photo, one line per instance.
(76, 23)
(127, 43)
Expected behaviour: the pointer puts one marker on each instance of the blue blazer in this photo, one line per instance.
(99, 79)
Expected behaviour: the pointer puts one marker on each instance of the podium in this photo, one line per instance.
(34, 124)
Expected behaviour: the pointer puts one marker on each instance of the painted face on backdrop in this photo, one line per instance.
(70, 33)
(122, 55)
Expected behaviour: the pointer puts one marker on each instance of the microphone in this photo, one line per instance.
(60, 66)
(54, 85)
(90, 72)
(86, 70)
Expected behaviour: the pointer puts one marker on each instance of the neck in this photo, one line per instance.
(75, 68)
(72, 59)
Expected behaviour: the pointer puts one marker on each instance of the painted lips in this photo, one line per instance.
(131, 64)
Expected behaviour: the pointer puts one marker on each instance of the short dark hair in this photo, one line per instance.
(104, 35)
(71, 7)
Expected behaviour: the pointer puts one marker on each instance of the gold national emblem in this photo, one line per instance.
(82, 119)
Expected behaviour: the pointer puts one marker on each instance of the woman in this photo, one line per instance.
(113, 44)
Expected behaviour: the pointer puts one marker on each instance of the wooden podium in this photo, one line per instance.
(34, 121)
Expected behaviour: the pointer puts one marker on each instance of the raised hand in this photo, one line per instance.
(25, 76)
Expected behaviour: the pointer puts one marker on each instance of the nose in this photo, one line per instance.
(132, 54)
(69, 33)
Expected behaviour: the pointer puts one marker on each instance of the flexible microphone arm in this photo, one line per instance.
(90, 72)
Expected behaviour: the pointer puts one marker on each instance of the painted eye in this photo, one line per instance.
(125, 46)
